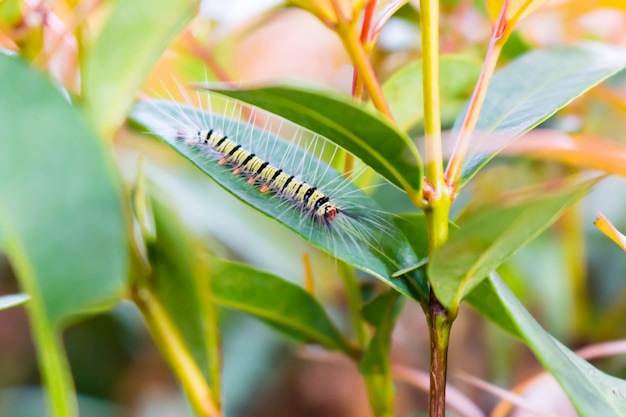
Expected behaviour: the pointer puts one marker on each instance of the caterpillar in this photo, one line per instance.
(287, 180)
(257, 170)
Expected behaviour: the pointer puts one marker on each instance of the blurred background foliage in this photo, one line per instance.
(571, 278)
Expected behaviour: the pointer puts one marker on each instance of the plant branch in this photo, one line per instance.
(432, 107)
(438, 199)
(55, 370)
(364, 67)
(499, 35)
(439, 325)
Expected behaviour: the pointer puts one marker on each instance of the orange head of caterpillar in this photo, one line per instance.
(330, 213)
(325, 211)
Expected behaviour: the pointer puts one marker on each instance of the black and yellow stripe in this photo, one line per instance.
(274, 179)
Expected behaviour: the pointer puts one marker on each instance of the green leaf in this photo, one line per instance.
(367, 240)
(489, 237)
(61, 218)
(382, 312)
(133, 38)
(60, 208)
(11, 300)
(281, 304)
(403, 90)
(177, 280)
(531, 89)
(343, 121)
(592, 392)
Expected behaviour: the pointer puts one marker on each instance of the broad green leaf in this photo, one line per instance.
(283, 305)
(531, 89)
(403, 90)
(592, 392)
(489, 237)
(11, 300)
(369, 240)
(60, 213)
(62, 222)
(382, 312)
(133, 38)
(343, 121)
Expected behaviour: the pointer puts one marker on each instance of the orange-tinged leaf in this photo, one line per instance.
(610, 231)
(583, 151)
(575, 8)
(516, 9)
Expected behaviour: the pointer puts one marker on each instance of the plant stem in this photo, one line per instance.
(439, 325)
(430, 65)
(437, 195)
(363, 66)
(500, 34)
(55, 369)
(176, 353)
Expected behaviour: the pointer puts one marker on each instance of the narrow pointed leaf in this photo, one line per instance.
(11, 300)
(373, 244)
(606, 227)
(592, 392)
(343, 121)
(489, 237)
(531, 89)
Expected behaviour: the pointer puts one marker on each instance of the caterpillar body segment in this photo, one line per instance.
(308, 197)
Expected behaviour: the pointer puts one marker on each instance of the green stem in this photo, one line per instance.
(174, 350)
(437, 195)
(432, 106)
(54, 367)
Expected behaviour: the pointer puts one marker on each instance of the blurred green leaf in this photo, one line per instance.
(11, 300)
(62, 221)
(403, 90)
(133, 38)
(531, 89)
(343, 121)
(592, 392)
(369, 241)
(177, 280)
(281, 304)
(382, 312)
(60, 211)
(489, 237)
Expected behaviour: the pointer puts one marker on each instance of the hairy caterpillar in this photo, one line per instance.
(285, 179)
(306, 196)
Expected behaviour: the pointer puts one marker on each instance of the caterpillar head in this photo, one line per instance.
(330, 212)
